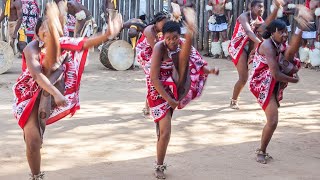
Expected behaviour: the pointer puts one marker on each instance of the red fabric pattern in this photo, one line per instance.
(159, 107)
(262, 84)
(238, 41)
(26, 89)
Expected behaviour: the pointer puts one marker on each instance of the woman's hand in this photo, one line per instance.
(296, 78)
(60, 100)
(173, 103)
(114, 26)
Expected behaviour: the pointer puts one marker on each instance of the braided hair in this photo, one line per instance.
(273, 27)
(159, 17)
(171, 26)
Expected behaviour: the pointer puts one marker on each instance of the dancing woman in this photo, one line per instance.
(178, 74)
(151, 35)
(52, 69)
(274, 66)
(247, 35)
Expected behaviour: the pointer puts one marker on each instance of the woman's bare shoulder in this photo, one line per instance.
(159, 45)
(31, 49)
(148, 30)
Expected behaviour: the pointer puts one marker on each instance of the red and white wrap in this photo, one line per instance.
(26, 89)
(261, 82)
(239, 40)
(159, 107)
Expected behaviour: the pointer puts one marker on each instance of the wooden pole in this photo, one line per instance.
(236, 14)
(201, 25)
(161, 5)
(206, 33)
(137, 13)
(148, 17)
(126, 18)
(121, 10)
(132, 9)
(169, 5)
(152, 10)
(197, 37)
(156, 6)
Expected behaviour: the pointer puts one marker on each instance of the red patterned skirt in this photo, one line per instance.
(26, 90)
(159, 107)
(262, 84)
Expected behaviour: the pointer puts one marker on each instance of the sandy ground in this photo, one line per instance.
(110, 139)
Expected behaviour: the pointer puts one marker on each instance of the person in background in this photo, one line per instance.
(14, 16)
(219, 16)
(246, 36)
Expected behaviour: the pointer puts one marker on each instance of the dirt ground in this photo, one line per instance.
(110, 139)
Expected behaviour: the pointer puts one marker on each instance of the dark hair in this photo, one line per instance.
(38, 25)
(273, 27)
(171, 26)
(159, 17)
(255, 2)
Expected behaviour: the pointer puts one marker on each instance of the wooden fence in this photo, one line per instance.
(130, 9)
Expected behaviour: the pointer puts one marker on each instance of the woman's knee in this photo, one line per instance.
(33, 141)
(243, 80)
(273, 123)
(165, 133)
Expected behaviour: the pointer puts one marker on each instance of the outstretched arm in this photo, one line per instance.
(271, 17)
(114, 28)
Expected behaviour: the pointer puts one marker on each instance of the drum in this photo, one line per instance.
(6, 57)
(117, 55)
